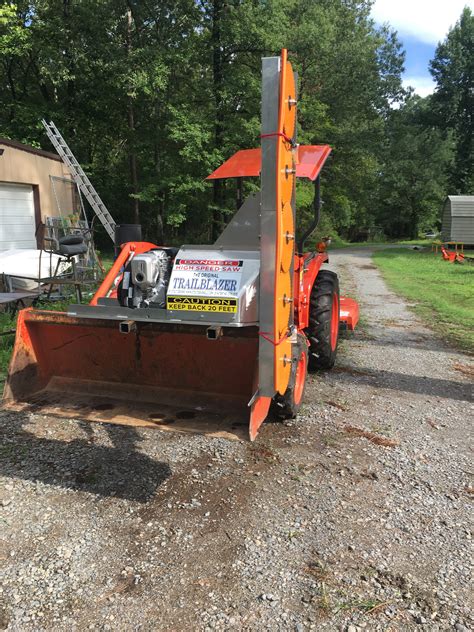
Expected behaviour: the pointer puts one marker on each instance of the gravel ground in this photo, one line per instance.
(354, 517)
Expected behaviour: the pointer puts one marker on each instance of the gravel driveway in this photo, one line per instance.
(354, 517)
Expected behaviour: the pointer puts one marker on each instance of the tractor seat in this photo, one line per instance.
(71, 245)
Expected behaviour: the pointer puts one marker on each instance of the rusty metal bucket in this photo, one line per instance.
(167, 376)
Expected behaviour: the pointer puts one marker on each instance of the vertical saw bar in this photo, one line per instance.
(270, 98)
(277, 224)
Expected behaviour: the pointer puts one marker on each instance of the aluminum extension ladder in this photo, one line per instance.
(80, 178)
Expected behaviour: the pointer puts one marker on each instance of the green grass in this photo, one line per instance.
(340, 243)
(107, 259)
(6, 345)
(337, 242)
(424, 243)
(443, 291)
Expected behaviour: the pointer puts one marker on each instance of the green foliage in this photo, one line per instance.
(453, 101)
(152, 96)
(349, 74)
(427, 152)
(7, 323)
(14, 39)
(412, 180)
(443, 291)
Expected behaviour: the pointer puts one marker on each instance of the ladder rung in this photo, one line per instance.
(80, 177)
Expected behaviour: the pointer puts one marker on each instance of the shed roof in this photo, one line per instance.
(29, 149)
(461, 198)
(460, 205)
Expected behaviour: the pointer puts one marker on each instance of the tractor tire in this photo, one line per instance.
(323, 328)
(287, 406)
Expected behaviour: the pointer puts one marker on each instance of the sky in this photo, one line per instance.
(421, 24)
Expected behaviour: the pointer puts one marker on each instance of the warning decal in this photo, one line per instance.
(201, 304)
(206, 277)
(218, 265)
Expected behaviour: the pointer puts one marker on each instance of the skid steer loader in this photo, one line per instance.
(205, 338)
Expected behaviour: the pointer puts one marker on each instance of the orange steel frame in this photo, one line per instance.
(285, 227)
(289, 293)
(115, 271)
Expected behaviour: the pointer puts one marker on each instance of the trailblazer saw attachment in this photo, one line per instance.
(197, 338)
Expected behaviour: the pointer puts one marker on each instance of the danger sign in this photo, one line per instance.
(220, 264)
(202, 304)
(206, 277)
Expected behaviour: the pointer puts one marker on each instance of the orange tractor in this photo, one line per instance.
(205, 336)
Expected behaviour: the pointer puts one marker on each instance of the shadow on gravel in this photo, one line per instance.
(431, 386)
(119, 471)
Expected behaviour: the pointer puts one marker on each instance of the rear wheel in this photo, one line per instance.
(287, 406)
(323, 327)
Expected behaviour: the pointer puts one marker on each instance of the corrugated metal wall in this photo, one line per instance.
(458, 219)
(446, 225)
(462, 229)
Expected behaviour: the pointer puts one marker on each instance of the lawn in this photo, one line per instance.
(443, 292)
(6, 345)
(338, 243)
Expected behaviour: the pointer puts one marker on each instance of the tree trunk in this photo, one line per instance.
(132, 158)
(217, 78)
(11, 85)
(70, 99)
(160, 210)
(414, 219)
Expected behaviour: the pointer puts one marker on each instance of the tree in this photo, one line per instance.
(453, 100)
(153, 95)
(411, 182)
(349, 75)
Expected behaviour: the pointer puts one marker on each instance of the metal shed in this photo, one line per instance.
(458, 219)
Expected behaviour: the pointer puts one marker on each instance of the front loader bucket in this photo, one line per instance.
(161, 375)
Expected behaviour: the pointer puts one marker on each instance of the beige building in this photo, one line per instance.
(34, 184)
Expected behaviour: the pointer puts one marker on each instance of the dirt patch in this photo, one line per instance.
(336, 405)
(353, 371)
(371, 436)
(390, 322)
(466, 369)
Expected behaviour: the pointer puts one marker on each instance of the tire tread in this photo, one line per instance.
(320, 354)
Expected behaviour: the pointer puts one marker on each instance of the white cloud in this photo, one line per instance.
(423, 85)
(426, 20)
